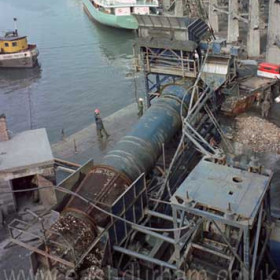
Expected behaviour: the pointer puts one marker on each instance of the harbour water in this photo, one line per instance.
(83, 65)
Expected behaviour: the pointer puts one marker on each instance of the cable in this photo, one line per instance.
(193, 87)
(190, 109)
(28, 190)
(64, 190)
(120, 218)
(160, 201)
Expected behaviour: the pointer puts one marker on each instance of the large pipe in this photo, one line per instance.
(138, 151)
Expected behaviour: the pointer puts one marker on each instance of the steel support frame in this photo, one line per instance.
(153, 84)
(181, 237)
(249, 262)
(154, 234)
(154, 81)
(163, 237)
(143, 257)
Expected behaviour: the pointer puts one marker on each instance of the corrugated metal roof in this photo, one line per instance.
(181, 28)
(214, 68)
(188, 46)
(166, 22)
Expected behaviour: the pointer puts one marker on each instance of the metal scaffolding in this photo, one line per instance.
(231, 210)
(167, 50)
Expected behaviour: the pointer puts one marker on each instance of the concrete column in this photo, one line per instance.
(179, 8)
(273, 36)
(213, 15)
(253, 38)
(233, 24)
(166, 4)
(4, 135)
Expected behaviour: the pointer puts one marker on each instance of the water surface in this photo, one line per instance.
(84, 65)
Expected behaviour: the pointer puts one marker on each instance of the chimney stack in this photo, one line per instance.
(4, 135)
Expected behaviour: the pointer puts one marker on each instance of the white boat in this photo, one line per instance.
(119, 13)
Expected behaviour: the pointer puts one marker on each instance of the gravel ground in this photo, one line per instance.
(260, 134)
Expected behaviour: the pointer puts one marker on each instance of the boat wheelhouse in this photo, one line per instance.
(15, 52)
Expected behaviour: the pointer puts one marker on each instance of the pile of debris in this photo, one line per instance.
(74, 232)
(93, 272)
(94, 263)
(259, 134)
(68, 238)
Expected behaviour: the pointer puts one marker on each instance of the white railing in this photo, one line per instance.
(172, 63)
(127, 3)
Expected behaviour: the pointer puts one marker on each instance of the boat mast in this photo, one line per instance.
(15, 22)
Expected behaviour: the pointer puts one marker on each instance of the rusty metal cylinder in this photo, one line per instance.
(138, 151)
(102, 186)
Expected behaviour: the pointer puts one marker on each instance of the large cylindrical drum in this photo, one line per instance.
(138, 151)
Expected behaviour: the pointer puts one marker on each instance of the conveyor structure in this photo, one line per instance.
(126, 222)
(117, 186)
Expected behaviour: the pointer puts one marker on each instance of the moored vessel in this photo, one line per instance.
(119, 13)
(15, 52)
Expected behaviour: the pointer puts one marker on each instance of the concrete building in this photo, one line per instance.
(26, 161)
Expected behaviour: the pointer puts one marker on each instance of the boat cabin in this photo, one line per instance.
(12, 43)
(123, 7)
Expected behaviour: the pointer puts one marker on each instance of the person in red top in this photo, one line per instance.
(99, 125)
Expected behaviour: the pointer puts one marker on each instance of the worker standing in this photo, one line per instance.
(140, 107)
(99, 125)
(259, 98)
(265, 108)
(269, 97)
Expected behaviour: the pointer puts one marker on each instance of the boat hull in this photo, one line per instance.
(126, 22)
(25, 59)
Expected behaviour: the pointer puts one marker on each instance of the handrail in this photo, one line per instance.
(128, 3)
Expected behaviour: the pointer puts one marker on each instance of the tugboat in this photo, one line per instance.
(15, 52)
